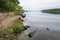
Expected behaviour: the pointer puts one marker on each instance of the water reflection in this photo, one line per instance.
(41, 21)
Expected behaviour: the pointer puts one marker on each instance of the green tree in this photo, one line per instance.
(10, 6)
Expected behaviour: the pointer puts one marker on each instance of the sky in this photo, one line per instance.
(39, 4)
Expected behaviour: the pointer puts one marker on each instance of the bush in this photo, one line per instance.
(8, 31)
(10, 6)
(18, 26)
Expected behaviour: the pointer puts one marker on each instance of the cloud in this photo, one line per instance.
(35, 4)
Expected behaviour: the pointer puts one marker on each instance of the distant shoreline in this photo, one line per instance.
(52, 11)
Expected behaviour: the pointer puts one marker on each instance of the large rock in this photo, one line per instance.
(23, 15)
(31, 34)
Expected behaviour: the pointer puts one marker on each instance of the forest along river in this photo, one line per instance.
(47, 26)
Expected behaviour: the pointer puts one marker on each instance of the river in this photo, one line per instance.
(39, 22)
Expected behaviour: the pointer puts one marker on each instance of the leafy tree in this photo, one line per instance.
(10, 6)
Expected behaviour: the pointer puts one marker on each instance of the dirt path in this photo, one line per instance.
(6, 22)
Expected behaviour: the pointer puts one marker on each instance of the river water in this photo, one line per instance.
(39, 22)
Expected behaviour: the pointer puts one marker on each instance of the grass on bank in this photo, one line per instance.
(13, 31)
(18, 26)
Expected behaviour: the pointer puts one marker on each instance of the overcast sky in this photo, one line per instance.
(40, 4)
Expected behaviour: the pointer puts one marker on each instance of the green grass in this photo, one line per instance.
(18, 26)
(13, 32)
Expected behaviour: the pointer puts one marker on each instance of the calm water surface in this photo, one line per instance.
(40, 21)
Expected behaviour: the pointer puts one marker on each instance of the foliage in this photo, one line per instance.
(13, 31)
(10, 6)
(53, 11)
(8, 31)
(18, 26)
